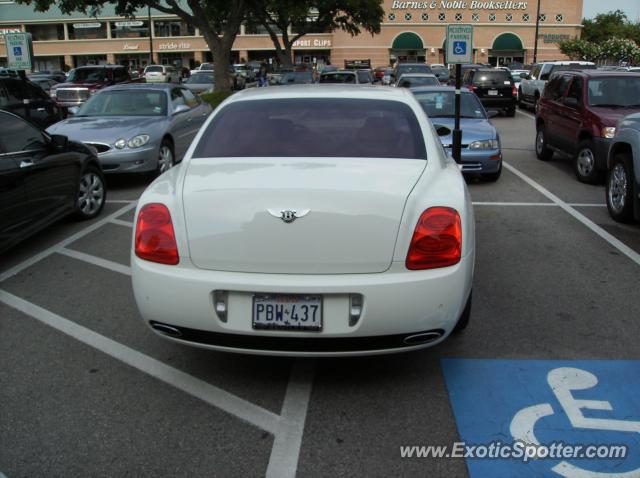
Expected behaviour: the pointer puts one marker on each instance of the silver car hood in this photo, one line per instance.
(109, 129)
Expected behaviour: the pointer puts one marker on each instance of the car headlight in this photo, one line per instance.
(138, 141)
(121, 143)
(608, 132)
(485, 144)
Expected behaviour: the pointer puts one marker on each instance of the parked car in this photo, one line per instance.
(378, 74)
(268, 249)
(339, 76)
(200, 82)
(463, 70)
(245, 71)
(85, 81)
(532, 84)
(441, 72)
(578, 113)
(296, 78)
(57, 75)
(481, 149)
(402, 68)
(387, 79)
(43, 179)
(494, 87)
(365, 76)
(45, 83)
(623, 166)
(27, 99)
(411, 80)
(236, 80)
(161, 74)
(516, 76)
(137, 127)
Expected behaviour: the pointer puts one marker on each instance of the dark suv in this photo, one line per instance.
(402, 68)
(578, 113)
(26, 99)
(494, 87)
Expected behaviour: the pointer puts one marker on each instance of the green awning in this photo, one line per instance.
(407, 41)
(507, 41)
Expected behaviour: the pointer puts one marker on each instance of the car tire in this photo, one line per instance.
(542, 150)
(619, 188)
(536, 100)
(166, 157)
(492, 177)
(584, 163)
(92, 193)
(463, 321)
(511, 112)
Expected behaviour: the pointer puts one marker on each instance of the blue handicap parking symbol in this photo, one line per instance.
(17, 51)
(546, 418)
(459, 47)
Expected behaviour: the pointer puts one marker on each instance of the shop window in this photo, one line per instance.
(508, 17)
(492, 17)
(559, 18)
(525, 17)
(425, 17)
(442, 16)
(391, 17)
(458, 17)
(173, 29)
(543, 17)
(49, 32)
(129, 29)
(87, 30)
(475, 17)
(408, 16)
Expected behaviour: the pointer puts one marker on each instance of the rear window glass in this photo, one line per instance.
(314, 127)
(338, 78)
(492, 76)
(617, 91)
(413, 69)
(154, 69)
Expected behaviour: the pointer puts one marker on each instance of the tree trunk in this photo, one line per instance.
(285, 56)
(221, 57)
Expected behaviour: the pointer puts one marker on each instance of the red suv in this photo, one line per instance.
(578, 113)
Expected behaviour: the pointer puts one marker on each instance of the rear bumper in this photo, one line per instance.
(500, 103)
(396, 304)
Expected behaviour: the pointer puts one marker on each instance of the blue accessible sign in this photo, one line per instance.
(545, 418)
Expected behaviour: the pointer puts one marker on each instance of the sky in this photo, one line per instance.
(590, 8)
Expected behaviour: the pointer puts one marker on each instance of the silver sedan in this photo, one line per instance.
(137, 127)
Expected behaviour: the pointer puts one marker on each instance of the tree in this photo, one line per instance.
(301, 17)
(579, 49)
(218, 20)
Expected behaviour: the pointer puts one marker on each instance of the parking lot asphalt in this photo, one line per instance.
(87, 390)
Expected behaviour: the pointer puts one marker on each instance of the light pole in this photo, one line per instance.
(150, 35)
(535, 41)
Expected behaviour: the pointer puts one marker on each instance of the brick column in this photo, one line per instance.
(198, 56)
(111, 58)
(68, 60)
(244, 54)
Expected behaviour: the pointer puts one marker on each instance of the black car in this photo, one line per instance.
(57, 75)
(42, 179)
(402, 68)
(26, 99)
(494, 87)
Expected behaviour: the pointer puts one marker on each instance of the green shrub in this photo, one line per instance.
(215, 98)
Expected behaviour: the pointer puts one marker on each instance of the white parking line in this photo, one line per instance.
(120, 222)
(613, 241)
(65, 242)
(96, 261)
(236, 406)
(528, 115)
(285, 453)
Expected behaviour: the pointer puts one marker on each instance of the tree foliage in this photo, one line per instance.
(301, 17)
(609, 25)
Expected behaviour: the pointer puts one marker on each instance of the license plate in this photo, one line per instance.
(287, 312)
(493, 92)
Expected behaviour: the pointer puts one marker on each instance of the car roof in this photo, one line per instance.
(323, 91)
(567, 62)
(599, 73)
(419, 75)
(429, 89)
(142, 86)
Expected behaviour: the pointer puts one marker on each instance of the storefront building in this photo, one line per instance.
(411, 31)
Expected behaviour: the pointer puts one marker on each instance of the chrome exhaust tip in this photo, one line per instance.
(166, 329)
(422, 338)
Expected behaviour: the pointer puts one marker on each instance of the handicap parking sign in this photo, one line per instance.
(460, 47)
(578, 419)
(17, 51)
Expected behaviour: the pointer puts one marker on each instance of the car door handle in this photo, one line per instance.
(40, 109)
(26, 163)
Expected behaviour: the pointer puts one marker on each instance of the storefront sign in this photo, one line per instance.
(129, 46)
(174, 46)
(78, 26)
(553, 37)
(317, 42)
(136, 23)
(459, 5)
(19, 51)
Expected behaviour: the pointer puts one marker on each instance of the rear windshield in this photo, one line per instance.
(296, 78)
(154, 69)
(576, 66)
(314, 127)
(614, 92)
(441, 104)
(413, 69)
(338, 78)
(411, 81)
(492, 77)
(200, 78)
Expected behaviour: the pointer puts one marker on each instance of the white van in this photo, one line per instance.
(161, 74)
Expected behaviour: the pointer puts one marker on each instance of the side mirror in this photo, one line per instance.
(180, 109)
(442, 130)
(492, 113)
(571, 103)
(544, 77)
(59, 140)
(73, 110)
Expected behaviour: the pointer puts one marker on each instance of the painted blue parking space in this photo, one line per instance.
(547, 418)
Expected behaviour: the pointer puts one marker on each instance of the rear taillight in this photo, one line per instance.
(155, 239)
(472, 88)
(514, 91)
(437, 240)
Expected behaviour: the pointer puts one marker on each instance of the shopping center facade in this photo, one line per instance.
(504, 32)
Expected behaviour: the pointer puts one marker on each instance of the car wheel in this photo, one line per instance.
(92, 193)
(620, 189)
(166, 157)
(535, 104)
(585, 163)
(520, 103)
(492, 177)
(463, 321)
(542, 150)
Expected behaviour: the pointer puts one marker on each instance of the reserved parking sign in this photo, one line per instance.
(459, 44)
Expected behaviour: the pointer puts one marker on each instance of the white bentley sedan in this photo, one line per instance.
(308, 220)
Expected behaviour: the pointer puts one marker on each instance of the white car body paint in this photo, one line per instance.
(383, 205)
